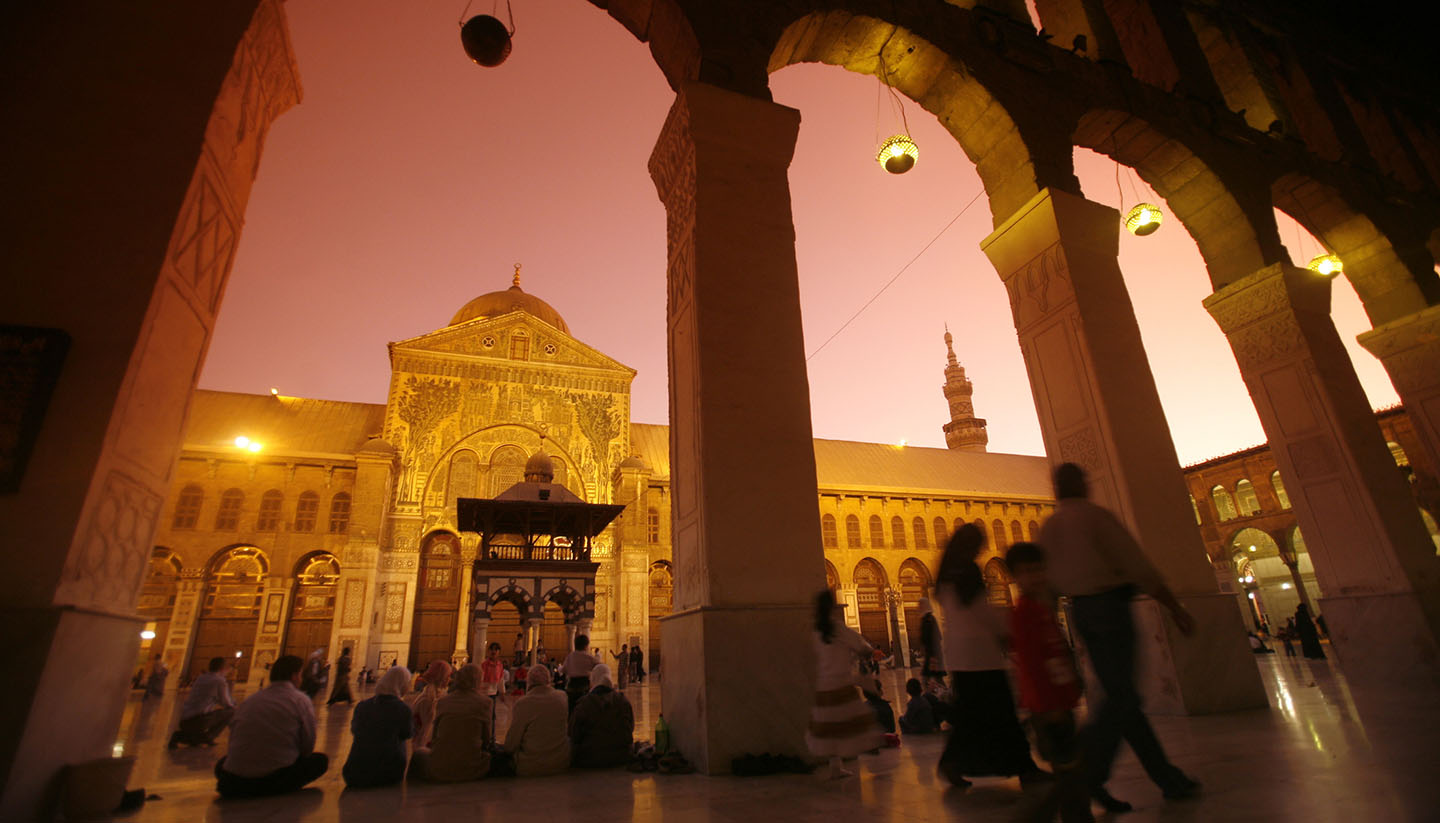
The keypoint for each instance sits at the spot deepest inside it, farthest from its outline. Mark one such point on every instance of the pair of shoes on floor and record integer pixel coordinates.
(1182, 788)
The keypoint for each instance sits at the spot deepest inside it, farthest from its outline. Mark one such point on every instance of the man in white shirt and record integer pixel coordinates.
(207, 709)
(272, 740)
(1095, 560)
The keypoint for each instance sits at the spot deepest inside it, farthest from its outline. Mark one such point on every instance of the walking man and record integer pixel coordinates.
(1095, 560)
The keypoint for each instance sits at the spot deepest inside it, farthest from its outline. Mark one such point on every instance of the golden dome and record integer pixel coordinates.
(514, 298)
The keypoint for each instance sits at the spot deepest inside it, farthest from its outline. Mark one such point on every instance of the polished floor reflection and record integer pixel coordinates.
(1320, 753)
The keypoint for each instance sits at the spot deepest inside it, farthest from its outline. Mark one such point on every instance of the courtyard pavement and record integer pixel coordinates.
(1317, 754)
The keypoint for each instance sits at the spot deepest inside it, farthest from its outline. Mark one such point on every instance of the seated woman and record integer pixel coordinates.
(602, 725)
(437, 682)
(381, 725)
(537, 736)
(462, 728)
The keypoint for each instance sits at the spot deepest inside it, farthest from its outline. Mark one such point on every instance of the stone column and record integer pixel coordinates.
(746, 539)
(570, 632)
(1410, 349)
(479, 630)
(469, 546)
(532, 639)
(183, 620)
(1372, 555)
(275, 608)
(1098, 407)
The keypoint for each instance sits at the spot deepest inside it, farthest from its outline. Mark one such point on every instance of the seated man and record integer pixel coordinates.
(537, 736)
(207, 709)
(918, 717)
(602, 725)
(272, 741)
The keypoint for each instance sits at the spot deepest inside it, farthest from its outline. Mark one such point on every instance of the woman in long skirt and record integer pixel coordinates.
(842, 726)
(1309, 638)
(985, 736)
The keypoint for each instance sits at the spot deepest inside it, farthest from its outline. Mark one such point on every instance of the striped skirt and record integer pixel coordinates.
(842, 724)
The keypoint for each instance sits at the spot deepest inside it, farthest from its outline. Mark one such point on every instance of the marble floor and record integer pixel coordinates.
(1319, 753)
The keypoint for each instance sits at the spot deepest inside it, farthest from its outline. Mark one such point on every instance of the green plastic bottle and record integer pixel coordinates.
(662, 736)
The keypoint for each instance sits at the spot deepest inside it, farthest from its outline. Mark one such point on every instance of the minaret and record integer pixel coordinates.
(965, 431)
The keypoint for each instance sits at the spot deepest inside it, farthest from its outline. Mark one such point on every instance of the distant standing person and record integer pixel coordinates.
(1309, 638)
(637, 663)
(985, 736)
(155, 684)
(519, 649)
(622, 666)
(576, 668)
(207, 709)
(932, 666)
(342, 680)
(1095, 560)
(272, 741)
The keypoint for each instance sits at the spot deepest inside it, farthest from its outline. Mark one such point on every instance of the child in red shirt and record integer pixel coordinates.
(1049, 685)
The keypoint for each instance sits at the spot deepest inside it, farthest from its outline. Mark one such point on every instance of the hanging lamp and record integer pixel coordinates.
(1326, 265)
(898, 153)
(485, 39)
(1144, 219)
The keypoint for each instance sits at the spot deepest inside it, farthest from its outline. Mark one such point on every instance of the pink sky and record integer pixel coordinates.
(410, 180)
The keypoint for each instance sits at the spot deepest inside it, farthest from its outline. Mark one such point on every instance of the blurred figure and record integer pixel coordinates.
(207, 709)
(380, 726)
(342, 680)
(602, 727)
(155, 684)
(842, 725)
(458, 749)
(422, 705)
(538, 737)
(1309, 638)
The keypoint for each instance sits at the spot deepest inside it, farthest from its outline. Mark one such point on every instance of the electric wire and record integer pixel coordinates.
(891, 281)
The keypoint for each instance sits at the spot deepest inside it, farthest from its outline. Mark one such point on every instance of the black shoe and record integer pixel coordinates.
(1110, 802)
(1182, 788)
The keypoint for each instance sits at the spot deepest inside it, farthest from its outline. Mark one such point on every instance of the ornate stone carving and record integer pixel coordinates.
(104, 570)
(352, 614)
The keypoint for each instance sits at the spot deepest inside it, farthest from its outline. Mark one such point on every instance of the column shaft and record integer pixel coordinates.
(1373, 559)
(1098, 408)
(1410, 350)
(746, 531)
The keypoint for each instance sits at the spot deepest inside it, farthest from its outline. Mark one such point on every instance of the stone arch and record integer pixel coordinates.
(915, 583)
(439, 582)
(158, 592)
(870, 584)
(662, 603)
(312, 608)
(667, 30)
(922, 71)
(832, 577)
(230, 608)
(1389, 286)
(997, 582)
(570, 600)
(1235, 238)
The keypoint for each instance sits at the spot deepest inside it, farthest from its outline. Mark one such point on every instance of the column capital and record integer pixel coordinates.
(1408, 346)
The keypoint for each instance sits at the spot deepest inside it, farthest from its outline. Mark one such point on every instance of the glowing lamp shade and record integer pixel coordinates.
(147, 635)
(1326, 265)
(486, 40)
(1144, 219)
(898, 154)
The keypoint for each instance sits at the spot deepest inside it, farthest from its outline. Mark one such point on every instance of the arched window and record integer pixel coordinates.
(942, 532)
(852, 532)
(1195, 507)
(1224, 506)
(877, 532)
(464, 476)
(918, 527)
(340, 513)
(997, 535)
(897, 532)
(507, 467)
(1401, 459)
(652, 524)
(1246, 498)
(187, 507)
(307, 508)
(1033, 529)
(958, 523)
(269, 518)
(832, 579)
(1279, 486)
(997, 582)
(984, 532)
(828, 533)
(227, 517)
(1016, 536)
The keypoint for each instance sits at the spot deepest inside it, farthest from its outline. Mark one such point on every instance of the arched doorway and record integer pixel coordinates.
(832, 577)
(157, 603)
(554, 639)
(870, 585)
(506, 621)
(230, 610)
(997, 583)
(662, 601)
(914, 586)
(437, 600)
(312, 610)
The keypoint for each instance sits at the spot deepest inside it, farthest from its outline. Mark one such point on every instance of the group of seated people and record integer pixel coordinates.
(449, 723)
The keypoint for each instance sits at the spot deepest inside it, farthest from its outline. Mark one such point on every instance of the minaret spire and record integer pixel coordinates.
(516, 282)
(965, 431)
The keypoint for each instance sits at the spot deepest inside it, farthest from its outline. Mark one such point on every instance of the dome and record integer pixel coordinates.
(539, 468)
(514, 298)
(634, 461)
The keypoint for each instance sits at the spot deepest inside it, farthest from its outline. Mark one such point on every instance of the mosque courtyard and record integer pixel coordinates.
(1319, 753)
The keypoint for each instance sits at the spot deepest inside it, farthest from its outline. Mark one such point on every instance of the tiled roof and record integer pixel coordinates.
(878, 467)
(285, 425)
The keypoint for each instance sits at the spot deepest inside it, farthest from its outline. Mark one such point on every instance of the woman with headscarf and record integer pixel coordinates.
(1309, 638)
(985, 736)
(602, 726)
(462, 729)
(537, 737)
(437, 679)
(842, 725)
(380, 727)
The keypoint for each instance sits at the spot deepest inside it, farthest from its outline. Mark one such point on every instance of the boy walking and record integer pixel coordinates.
(1049, 685)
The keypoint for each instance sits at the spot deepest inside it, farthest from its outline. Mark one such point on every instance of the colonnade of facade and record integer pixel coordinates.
(1350, 160)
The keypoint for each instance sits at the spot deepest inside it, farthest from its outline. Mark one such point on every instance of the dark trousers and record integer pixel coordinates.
(203, 728)
(1107, 626)
(1058, 743)
(280, 781)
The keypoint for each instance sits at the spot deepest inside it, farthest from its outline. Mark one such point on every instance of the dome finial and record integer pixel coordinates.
(516, 281)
